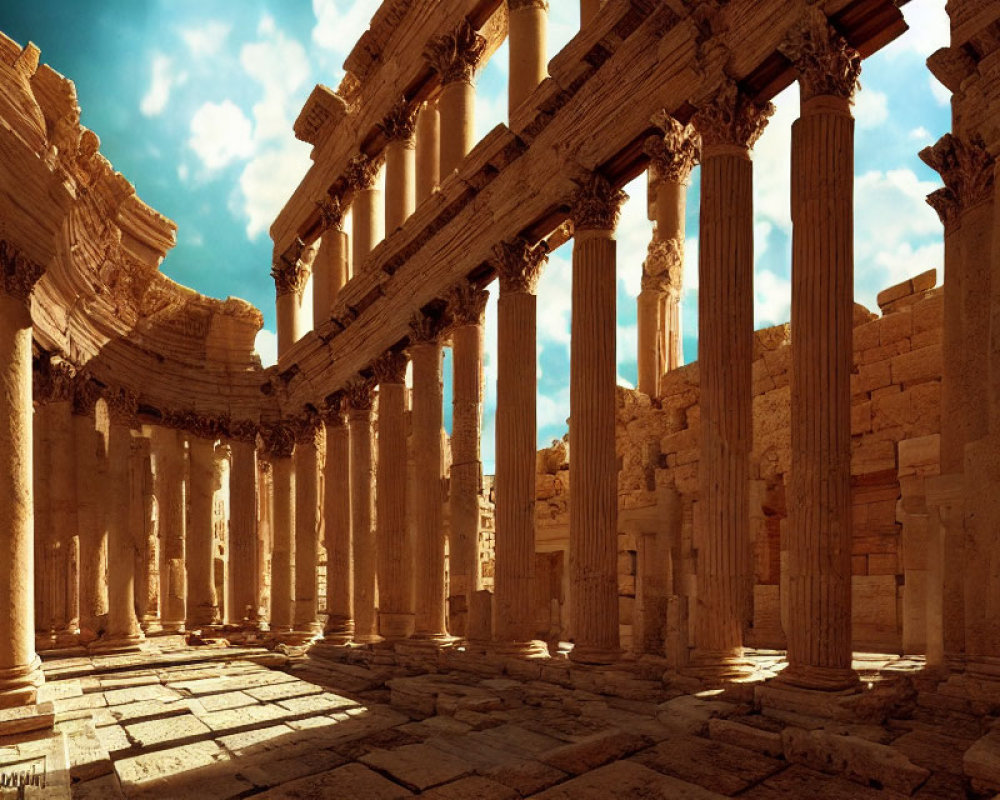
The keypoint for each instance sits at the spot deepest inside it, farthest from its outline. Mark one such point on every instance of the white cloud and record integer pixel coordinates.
(922, 135)
(871, 108)
(627, 345)
(207, 39)
(939, 92)
(772, 162)
(183, 172)
(220, 134)
(633, 234)
(555, 289)
(930, 28)
(163, 81)
(266, 184)
(772, 299)
(275, 112)
(266, 346)
(339, 25)
(490, 111)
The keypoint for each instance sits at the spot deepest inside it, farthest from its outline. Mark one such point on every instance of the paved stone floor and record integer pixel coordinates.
(183, 722)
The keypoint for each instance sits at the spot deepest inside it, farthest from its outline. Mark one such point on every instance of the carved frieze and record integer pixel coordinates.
(596, 204)
(390, 367)
(358, 395)
(400, 123)
(467, 304)
(455, 55)
(826, 63)
(18, 273)
(731, 118)
(362, 172)
(674, 154)
(967, 170)
(519, 265)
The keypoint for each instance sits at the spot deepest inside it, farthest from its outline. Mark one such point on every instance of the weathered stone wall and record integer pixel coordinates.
(895, 421)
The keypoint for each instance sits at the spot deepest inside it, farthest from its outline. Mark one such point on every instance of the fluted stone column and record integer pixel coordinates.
(527, 40)
(205, 480)
(467, 306)
(20, 668)
(144, 523)
(291, 273)
(366, 212)
(395, 559)
(123, 631)
(91, 467)
(729, 125)
(280, 442)
(359, 403)
(429, 544)
(308, 525)
(819, 564)
(243, 555)
(672, 157)
(455, 56)
(337, 528)
(428, 156)
(265, 537)
(400, 165)
(519, 267)
(45, 592)
(594, 465)
(169, 487)
(330, 270)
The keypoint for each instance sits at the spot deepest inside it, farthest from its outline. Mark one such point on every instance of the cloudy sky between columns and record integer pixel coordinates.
(194, 103)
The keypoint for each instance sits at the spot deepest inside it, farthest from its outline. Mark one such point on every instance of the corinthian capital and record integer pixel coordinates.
(826, 63)
(390, 367)
(358, 395)
(331, 211)
(519, 265)
(123, 405)
(467, 304)
(362, 172)
(456, 55)
(400, 123)
(278, 439)
(596, 204)
(334, 413)
(53, 381)
(18, 274)
(965, 167)
(86, 393)
(425, 329)
(291, 270)
(731, 118)
(674, 154)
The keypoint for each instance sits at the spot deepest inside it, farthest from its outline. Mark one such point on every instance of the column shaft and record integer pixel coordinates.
(243, 534)
(202, 598)
(337, 518)
(527, 39)
(400, 182)
(362, 525)
(168, 449)
(428, 155)
(91, 465)
(144, 515)
(649, 329)
(458, 123)
(307, 533)
(282, 586)
(366, 226)
(291, 320)
(45, 598)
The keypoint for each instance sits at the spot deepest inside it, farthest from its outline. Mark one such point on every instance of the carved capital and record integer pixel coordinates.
(332, 211)
(596, 204)
(390, 367)
(519, 265)
(86, 393)
(965, 167)
(518, 5)
(400, 123)
(53, 381)
(18, 274)
(334, 413)
(425, 329)
(307, 428)
(289, 272)
(456, 55)
(826, 63)
(674, 154)
(358, 395)
(731, 118)
(944, 202)
(663, 269)
(200, 425)
(243, 430)
(362, 172)
(278, 439)
(123, 405)
(467, 304)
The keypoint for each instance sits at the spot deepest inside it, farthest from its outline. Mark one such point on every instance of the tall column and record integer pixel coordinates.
(395, 559)
(91, 458)
(337, 527)
(455, 56)
(400, 165)
(169, 485)
(265, 539)
(467, 307)
(331, 270)
(280, 442)
(593, 469)
(123, 631)
(20, 668)
(528, 26)
(819, 564)
(428, 149)
(366, 215)
(45, 594)
(308, 524)
(291, 273)
(729, 125)
(205, 480)
(672, 157)
(144, 523)
(519, 265)
(359, 403)
(244, 570)
(429, 543)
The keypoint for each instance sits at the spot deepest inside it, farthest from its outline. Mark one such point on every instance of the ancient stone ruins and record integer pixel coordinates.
(772, 573)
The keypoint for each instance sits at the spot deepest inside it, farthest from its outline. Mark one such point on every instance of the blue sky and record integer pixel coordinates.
(194, 103)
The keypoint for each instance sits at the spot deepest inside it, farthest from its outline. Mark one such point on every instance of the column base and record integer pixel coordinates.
(45, 641)
(425, 644)
(120, 643)
(299, 638)
(19, 685)
(821, 679)
(394, 627)
(368, 638)
(172, 627)
(718, 665)
(587, 654)
(532, 649)
(150, 625)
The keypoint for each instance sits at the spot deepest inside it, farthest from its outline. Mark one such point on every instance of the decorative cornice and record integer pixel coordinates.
(596, 204)
(967, 170)
(390, 367)
(400, 123)
(518, 5)
(425, 329)
(467, 304)
(332, 211)
(519, 265)
(123, 405)
(362, 172)
(663, 269)
(731, 118)
(18, 274)
(278, 439)
(358, 395)
(826, 63)
(456, 55)
(674, 154)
